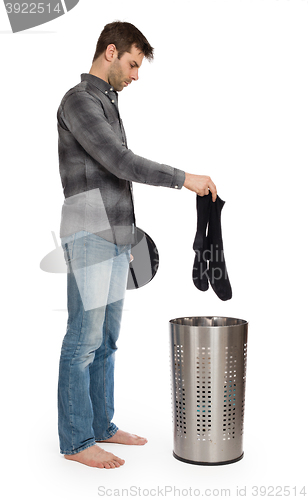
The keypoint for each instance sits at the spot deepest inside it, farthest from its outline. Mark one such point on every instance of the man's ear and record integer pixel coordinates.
(111, 52)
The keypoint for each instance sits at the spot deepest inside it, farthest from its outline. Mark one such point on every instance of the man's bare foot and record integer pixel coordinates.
(122, 437)
(94, 456)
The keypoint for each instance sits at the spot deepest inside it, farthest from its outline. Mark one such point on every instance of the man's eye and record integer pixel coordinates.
(132, 65)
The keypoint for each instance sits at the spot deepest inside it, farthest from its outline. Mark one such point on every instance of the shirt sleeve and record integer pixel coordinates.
(83, 115)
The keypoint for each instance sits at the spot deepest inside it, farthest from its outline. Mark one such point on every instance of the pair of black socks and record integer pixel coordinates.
(209, 263)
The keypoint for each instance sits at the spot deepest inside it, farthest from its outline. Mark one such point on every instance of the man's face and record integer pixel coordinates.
(123, 71)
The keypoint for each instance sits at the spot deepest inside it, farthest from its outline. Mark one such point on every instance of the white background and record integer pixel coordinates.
(226, 96)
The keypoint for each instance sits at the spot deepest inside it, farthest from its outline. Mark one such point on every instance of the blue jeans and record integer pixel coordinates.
(96, 284)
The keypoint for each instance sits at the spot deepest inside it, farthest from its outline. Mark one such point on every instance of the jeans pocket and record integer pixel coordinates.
(68, 249)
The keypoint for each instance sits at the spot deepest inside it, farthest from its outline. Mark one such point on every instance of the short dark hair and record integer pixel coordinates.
(123, 35)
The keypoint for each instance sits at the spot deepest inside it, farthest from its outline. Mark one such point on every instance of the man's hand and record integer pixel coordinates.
(200, 184)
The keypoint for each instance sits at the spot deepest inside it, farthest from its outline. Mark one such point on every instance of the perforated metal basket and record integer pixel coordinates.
(208, 372)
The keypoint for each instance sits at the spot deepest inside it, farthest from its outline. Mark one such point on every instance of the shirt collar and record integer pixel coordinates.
(103, 86)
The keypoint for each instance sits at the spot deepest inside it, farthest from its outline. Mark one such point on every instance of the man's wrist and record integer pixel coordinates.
(178, 179)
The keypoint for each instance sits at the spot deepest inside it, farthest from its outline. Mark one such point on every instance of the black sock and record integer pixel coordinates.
(200, 246)
(217, 273)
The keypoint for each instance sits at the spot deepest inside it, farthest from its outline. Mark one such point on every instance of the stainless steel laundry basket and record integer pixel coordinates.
(208, 371)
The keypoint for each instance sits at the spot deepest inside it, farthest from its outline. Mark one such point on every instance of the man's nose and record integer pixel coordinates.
(134, 74)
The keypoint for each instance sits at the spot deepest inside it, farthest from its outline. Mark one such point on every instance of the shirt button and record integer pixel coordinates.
(106, 91)
(111, 89)
(176, 187)
(112, 101)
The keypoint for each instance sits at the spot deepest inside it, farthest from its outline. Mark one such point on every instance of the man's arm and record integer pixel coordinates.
(83, 116)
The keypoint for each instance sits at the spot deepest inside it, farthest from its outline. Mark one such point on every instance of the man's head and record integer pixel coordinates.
(119, 53)
(123, 36)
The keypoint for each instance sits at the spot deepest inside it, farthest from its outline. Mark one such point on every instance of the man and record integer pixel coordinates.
(97, 230)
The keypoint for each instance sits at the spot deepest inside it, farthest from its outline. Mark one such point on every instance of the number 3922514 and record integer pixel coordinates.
(32, 8)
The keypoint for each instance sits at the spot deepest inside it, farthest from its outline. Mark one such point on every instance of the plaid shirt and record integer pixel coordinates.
(97, 168)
